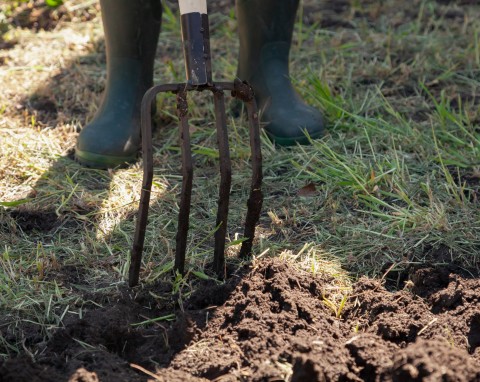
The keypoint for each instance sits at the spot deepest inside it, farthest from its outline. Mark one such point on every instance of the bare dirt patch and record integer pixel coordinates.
(270, 323)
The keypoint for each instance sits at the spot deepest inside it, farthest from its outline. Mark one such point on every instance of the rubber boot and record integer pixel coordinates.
(131, 29)
(265, 29)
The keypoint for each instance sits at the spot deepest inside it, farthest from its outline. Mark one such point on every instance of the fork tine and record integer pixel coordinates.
(242, 91)
(225, 183)
(187, 180)
(139, 238)
(255, 201)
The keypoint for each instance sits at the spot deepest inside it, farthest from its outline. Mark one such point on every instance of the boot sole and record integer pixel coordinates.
(293, 141)
(103, 162)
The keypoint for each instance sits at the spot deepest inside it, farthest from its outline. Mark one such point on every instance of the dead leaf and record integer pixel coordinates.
(307, 191)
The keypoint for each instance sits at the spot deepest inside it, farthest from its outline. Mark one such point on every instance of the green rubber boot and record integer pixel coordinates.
(131, 30)
(265, 29)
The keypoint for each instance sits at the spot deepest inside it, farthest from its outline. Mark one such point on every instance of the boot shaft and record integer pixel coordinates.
(131, 29)
(265, 31)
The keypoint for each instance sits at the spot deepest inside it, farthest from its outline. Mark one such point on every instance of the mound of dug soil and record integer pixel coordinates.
(269, 323)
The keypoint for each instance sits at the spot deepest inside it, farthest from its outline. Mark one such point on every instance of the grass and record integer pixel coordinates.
(395, 179)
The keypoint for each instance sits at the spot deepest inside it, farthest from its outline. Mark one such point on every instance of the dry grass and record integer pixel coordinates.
(394, 182)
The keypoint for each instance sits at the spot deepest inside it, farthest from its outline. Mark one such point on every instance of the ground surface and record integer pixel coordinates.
(269, 322)
(367, 253)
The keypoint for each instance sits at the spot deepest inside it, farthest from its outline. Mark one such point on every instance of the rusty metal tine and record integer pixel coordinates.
(254, 203)
(187, 179)
(139, 238)
(225, 183)
(243, 92)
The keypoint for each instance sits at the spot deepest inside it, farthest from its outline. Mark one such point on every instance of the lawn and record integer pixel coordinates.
(367, 253)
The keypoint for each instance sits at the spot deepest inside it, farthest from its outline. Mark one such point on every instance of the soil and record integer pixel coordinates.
(268, 322)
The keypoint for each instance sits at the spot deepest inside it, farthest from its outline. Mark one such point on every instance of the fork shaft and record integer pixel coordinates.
(196, 41)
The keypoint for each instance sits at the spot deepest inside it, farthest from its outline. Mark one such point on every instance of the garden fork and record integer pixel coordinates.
(196, 47)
